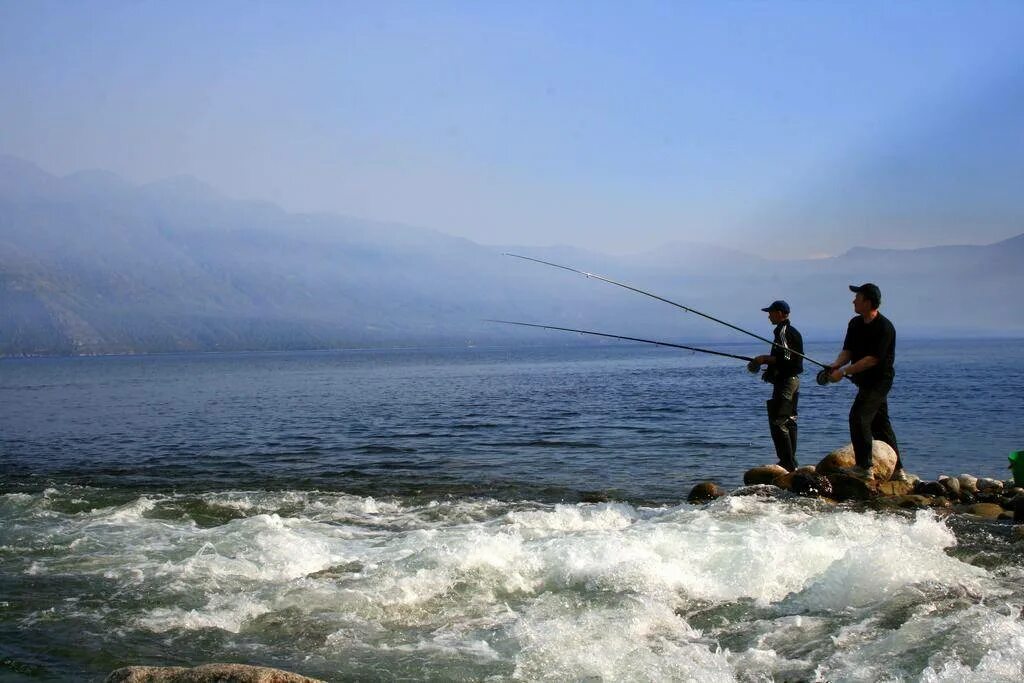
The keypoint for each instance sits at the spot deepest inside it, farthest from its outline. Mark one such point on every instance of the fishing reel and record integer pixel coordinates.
(753, 366)
(824, 376)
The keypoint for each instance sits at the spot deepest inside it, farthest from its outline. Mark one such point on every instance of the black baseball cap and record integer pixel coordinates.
(779, 305)
(870, 291)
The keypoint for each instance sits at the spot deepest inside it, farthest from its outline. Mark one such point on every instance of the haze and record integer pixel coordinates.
(789, 130)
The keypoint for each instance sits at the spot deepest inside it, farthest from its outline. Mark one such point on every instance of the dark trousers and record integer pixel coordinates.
(782, 419)
(869, 420)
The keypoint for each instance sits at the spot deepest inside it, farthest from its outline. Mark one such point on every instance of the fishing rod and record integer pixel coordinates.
(619, 336)
(668, 301)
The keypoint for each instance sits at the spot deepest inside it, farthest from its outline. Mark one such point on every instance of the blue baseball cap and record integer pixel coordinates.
(779, 305)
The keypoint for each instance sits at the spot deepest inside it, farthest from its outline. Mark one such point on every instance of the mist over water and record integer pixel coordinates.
(490, 514)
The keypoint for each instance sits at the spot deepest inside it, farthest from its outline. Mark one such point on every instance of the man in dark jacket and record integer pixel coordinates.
(782, 372)
(870, 350)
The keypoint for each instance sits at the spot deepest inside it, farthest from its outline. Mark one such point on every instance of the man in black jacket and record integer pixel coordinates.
(870, 350)
(782, 372)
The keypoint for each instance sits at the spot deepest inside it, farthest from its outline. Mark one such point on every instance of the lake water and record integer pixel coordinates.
(490, 514)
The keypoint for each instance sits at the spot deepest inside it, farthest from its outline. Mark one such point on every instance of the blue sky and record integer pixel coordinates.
(788, 129)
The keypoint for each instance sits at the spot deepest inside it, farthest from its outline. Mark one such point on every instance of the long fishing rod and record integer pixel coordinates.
(619, 336)
(667, 301)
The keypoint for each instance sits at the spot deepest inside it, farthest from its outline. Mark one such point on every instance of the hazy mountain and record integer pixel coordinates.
(90, 263)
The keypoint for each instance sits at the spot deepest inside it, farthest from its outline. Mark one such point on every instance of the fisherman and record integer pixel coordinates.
(867, 358)
(784, 365)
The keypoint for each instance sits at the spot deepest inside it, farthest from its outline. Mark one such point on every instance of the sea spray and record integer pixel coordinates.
(344, 586)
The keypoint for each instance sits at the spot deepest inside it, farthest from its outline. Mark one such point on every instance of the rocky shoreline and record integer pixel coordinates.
(978, 496)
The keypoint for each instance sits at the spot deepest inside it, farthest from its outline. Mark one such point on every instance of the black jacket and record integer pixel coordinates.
(787, 364)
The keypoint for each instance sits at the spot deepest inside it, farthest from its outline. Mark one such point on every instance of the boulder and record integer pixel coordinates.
(952, 486)
(929, 488)
(850, 488)
(913, 501)
(1018, 533)
(898, 488)
(968, 483)
(883, 460)
(986, 485)
(207, 673)
(986, 510)
(705, 491)
(765, 474)
(810, 484)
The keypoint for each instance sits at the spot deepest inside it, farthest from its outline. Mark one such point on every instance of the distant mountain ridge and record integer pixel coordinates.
(90, 263)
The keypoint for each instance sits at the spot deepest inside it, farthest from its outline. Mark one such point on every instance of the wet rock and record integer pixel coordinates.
(810, 484)
(207, 673)
(762, 491)
(952, 486)
(765, 474)
(968, 483)
(1018, 533)
(705, 491)
(1018, 510)
(986, 510)
(930, 488)
(913, 501)
(1015, 491)
(986, 485)
(883, 460)
(898, 488)
(850, 488)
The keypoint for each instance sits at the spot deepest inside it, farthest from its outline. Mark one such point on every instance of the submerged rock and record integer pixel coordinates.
(705, 491)
(883, 460)
(207, 673)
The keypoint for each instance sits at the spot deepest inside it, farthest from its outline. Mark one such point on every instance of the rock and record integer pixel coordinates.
(930, 488)
(808, 469)
(1015, 491)
(1006, 515)
(913, 501)
(899, 488)
(883, 460)
(1018, 510)
(761, 491)
(705, 491)
(986, 485)
(765, 474)
(952, 486)
(810, 484)
(968, 483)
(850, 488)
(1018, 533)
(207, 673)
(986, 510)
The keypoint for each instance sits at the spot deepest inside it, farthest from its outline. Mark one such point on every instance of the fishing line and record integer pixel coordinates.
(667, 301)
(619, 336)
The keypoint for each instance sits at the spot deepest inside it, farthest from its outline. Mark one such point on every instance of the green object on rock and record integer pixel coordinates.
(1017, 465)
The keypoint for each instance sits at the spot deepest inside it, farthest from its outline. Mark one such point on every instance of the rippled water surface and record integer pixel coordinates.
(488, 514)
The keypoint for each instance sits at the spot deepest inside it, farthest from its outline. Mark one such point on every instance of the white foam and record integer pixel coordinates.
(557, 591)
